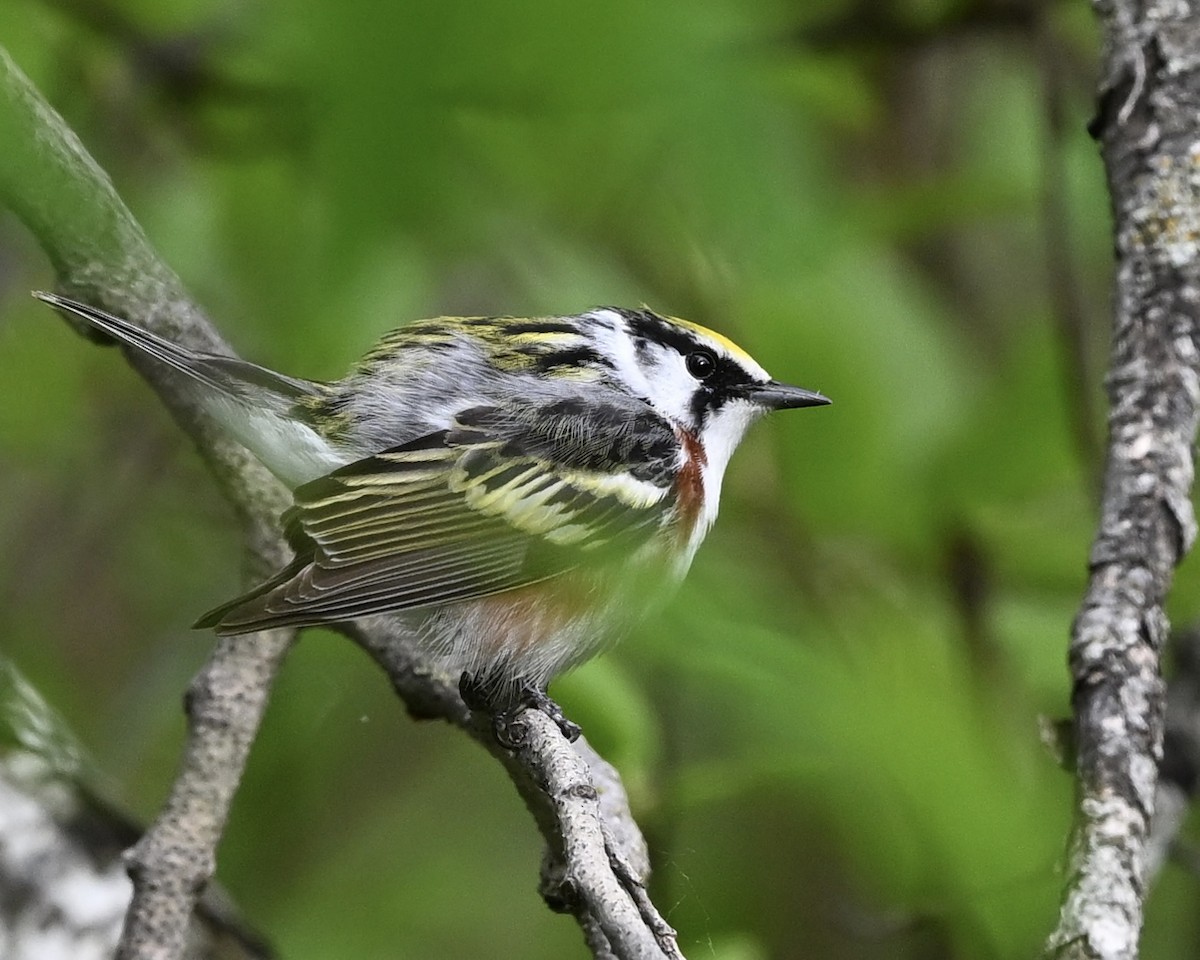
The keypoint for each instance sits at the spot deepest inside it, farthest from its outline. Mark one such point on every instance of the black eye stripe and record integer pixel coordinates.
(727, 381)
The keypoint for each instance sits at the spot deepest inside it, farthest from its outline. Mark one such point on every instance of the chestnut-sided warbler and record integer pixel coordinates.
(506, 486)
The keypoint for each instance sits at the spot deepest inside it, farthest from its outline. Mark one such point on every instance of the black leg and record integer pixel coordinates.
(477, 693)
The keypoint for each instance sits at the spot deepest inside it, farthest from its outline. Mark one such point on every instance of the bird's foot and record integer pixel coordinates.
(483, 694)
(540, 700)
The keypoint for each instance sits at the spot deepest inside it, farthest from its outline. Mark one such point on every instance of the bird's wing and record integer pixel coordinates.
(506, 497)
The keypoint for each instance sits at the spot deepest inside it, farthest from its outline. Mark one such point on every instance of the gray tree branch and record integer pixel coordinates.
(1150, 99)
(596, 858)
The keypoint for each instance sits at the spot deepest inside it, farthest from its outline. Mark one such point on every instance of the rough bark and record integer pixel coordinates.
(596, 855)
(1147, 127)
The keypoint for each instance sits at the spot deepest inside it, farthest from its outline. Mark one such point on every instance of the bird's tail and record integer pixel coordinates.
(237, 379)
(262, 409)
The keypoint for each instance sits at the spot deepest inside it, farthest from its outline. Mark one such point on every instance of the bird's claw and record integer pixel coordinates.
(539, 700)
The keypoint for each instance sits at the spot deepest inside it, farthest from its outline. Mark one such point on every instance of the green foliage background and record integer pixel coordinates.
(831, 737)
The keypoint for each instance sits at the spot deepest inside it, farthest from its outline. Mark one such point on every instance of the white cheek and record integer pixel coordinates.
(723, 433)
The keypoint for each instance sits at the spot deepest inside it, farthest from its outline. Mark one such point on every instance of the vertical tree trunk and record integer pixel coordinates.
(1147, 126)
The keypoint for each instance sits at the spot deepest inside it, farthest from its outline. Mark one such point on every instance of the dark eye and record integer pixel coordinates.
(701, 364)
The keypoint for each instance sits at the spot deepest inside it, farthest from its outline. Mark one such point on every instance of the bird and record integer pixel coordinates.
(517, 491)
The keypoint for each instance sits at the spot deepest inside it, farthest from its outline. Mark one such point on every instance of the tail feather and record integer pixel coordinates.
(230, 376)
(258, 407)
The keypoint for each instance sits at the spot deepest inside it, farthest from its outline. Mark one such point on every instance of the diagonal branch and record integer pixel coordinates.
(1150, 98)
(596, 856)
(101, 254)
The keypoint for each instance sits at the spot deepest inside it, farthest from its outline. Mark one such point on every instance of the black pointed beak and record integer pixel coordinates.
(774, 395)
